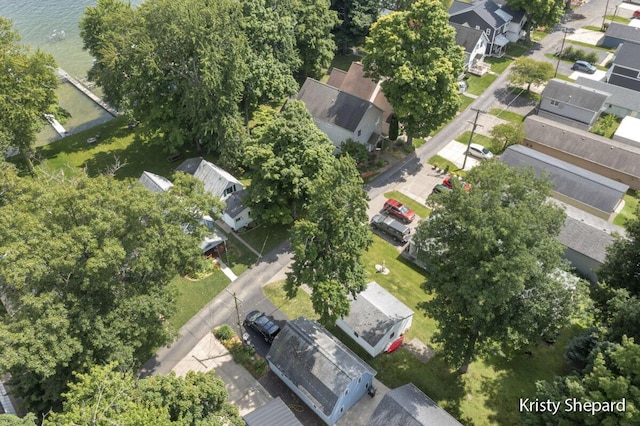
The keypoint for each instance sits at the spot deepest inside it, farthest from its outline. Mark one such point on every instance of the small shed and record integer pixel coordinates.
(236, 214)
(321, 370)
(408, 406)
(571, 104)
(273, 413)
(617, 34)
(154, 182)
(377, 320)
(629, 132)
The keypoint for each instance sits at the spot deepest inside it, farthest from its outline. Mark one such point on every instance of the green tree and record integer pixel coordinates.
(27, 91)
(620, 269)
(284, 159)
(613, 374)
(313, 24)
(356, 18)
(529, 71)
(106, 395)
(328, 244)
(181, 72)
(494, 264)
(540, 13)
(415, 55)
(85, 275)
(11, 420)
(507, 134)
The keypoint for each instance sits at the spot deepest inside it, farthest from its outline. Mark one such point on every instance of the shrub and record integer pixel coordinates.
(224, 332)
(355, 150)
(572, 54)
(579, 348)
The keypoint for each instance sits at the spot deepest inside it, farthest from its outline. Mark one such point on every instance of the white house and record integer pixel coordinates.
(377, 321)
(474, 42)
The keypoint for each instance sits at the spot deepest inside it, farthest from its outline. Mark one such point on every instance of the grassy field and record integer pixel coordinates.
(480, 139)
(487, 394)
(419, 208)
(477, 85)
(629, 210)
(443, 163)
(498, 65)
(465, 101)
(509, 116)
(265, 238)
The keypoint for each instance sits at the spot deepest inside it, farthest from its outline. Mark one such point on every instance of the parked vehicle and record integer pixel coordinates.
(441, 188)
(449, 184)
(479, 151)
(583, 66)
(399, 210)
(636, 14)
(262, 324)
(391, 227)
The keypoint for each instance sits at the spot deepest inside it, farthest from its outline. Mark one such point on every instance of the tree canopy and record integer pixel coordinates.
(543, 13)
(105, 395)
(313, 24)
(85, 274)
(356, 18)
(415, 55)
(494, 264)
(27, 91)
(329, 242)
(529, 71)
(620, 269)
(284, 158)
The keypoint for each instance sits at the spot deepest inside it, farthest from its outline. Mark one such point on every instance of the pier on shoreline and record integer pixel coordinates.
(81, 87)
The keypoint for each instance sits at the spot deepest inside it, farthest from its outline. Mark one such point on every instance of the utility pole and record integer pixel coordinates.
(564, 37)
(473, 129)
(605, 15)
(235, 299)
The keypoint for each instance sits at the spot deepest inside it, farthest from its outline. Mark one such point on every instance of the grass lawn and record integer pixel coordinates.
(629, 210)
(519, 48)
(465, 101)
(487, 394)
(418, 142)
(617, 18)
(477, 85)
(237, 256)
(509, 116)
(590, 46)
(593, 28)
(538, 35)
(265, 238)
(343, 62)
(419, 208)
(443, 163)
(478, 138)
(498, 65)
(193, 295)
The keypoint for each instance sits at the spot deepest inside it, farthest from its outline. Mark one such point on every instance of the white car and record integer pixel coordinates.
(480, 151)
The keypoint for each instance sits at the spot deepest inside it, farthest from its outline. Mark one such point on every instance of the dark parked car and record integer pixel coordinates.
(391, 227)
(441, 188)
(262, 324)
(584, 66)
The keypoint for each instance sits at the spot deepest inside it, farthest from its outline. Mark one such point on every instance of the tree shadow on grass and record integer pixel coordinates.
(516, 378)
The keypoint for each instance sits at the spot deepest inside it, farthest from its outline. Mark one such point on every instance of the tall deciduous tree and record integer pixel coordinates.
(313, 24)
(284, 159)
(529, 71)
(544, 13)
(494, 264)
(507, 134)
(180, 66)
(105, 395)
(328, 244)
(416, 56)
(621, 268)
(356, 18)
(27, 91)
(85, 275)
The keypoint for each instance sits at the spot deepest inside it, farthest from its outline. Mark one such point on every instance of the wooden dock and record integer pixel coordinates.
(56, 125)
(81, 87)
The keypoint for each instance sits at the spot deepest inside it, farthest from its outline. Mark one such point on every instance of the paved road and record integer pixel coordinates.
(248, 286)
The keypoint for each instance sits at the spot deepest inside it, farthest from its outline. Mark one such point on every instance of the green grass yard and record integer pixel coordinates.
(629, 210)
(480, 139)
(509, 116)
(443, 164)
(477, 85)
(498, 65)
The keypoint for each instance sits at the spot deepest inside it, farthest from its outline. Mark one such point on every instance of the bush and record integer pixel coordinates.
(572, 54)
(355, 150)
(579, 348)
(225, 332)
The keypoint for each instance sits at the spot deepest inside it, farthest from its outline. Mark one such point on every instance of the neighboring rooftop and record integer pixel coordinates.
(408, 406)
(628, 55)
(316, 362)
(234, 204)
(215, 179)
(623, 32)
(154, 182)
(466, 36)
(273, 413)
(487, 10)
(589, 188)
(619, 96)
(575, 94)
(374, 312)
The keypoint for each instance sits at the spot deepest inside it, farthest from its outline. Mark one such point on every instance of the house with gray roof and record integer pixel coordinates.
(223, 185)
(320, 369)
(606, 157)
(617, 34)
(586, 190)
(341, 115)
(273, 413)
(625, 68)
(586, 238)
(501, 23)
(377, 321)
(628, 132)
(572, 104)
(154, 182)
(621, 102)
(408, 406)
(474, 42)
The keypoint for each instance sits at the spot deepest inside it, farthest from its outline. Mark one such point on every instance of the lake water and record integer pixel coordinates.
(40, 24)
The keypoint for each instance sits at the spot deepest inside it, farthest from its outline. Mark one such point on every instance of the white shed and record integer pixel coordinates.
(377, 320)
(629, 131)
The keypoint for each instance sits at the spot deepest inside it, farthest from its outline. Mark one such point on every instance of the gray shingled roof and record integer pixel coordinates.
(214, 178)
(374, 312)
(154, 182)
(575, 94)
(273, 413)
(466, 37)
(623, 32)
(234, 203)
(619, 96)
(408, 406)
(628, 55)
(585, 239)
(316, 362)
(572, 181)
(582, 144)
(333, 106)
(485, 9)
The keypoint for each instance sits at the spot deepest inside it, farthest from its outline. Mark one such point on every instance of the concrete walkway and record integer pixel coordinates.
(209, 354)
(226, 270)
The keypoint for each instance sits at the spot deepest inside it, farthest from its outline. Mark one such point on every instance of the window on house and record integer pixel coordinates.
(392, 334)
(555, 103)
(359, 132)
(477, 27)
(342, 409)
(488, 31)
(346, 392)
